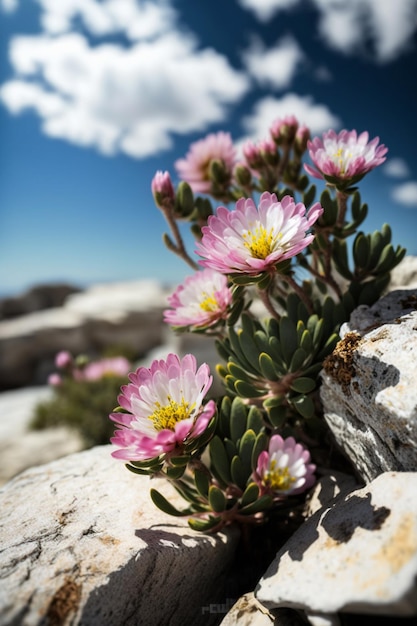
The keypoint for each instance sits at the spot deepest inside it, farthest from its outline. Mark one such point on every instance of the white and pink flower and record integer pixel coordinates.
(344, 157)
(202, 300)
(195, 168)
(284, 469)
(164, 407)
(251, 240)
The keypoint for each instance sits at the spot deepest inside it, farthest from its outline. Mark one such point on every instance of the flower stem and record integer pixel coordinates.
(178, 247)
(265, 298)
(300, 292)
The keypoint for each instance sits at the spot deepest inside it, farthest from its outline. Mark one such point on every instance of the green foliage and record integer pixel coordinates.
(82, 405)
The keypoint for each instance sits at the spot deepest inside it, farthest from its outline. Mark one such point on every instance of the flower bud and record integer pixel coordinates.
(54, 380)
(242, 175)
(283, 130)
(162, 189)
(269, 152)
(302, 137)
(219, 173)
(253, 156)
(184, 205)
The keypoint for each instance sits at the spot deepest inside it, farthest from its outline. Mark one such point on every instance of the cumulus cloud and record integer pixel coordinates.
(266, 9)
(396, 168)
(8, 6)
(387, 27)
(317, 117)
(276, 66)
(406, 194)
(130, 99)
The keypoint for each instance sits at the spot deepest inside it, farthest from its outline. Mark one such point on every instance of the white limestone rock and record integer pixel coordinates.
(405, 274)
(82, 543)
(369, 390)
(247, 611)
(357, 556)
(21, 448)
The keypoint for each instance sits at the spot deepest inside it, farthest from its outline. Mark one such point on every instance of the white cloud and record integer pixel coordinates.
(317, 117)
(406, 194)
(135, 19)
(266, 9)
(396, 168)
(349, 27)
(8, 6)
(276, 66)
(115, 98)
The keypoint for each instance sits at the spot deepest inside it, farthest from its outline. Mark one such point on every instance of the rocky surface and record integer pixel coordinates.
(127, 315)
(369, 393)
(21, 448)
(82, 543)
(36, 299)
(358, 555)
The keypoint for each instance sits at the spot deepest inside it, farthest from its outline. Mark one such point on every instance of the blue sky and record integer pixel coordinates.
(95, 96)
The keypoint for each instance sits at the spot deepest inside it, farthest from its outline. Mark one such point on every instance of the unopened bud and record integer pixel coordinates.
(162, 189)
(302, 138)
(184, 204)
(283, 130)
(242, 175)
(218, 172)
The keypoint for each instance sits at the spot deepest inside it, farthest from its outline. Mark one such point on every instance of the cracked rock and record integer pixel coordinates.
(82, 543)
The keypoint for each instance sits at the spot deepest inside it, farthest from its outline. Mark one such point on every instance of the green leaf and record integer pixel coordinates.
(203, 525)
(288, 338)
(267, 366)
(219, 459)
(162, 503)
(260, 445)
(250, 494)
(217, 499)
(298, 359)
(179, 460)
(309, 195)
(254, 420)
(245, 451)
(239, 477)
(202, 482)
(361, 250)
(263, 503)
(174, 473)
(245, 390)
(238, 416)
(142, 472)
(304, 405)
(303, 385)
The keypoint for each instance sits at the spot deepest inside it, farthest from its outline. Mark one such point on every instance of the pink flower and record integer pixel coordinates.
(284, 469)
(63, 359)
(114, 366)
(54, 380)
(164, 408)
(202, 300)
(162, 188)
(249, 241)
(195, 168)
(345, 157)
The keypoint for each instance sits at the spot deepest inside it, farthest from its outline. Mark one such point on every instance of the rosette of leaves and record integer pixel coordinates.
(276, 364)
(224, 491)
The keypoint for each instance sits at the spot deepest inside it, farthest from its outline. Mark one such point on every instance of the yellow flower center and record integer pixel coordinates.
(260, 242)
(167, 416)
(209, 304)
(278, 478)
(340, 156)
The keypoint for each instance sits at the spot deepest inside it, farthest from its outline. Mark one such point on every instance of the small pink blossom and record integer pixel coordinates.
(345, 157)
(162, 188)
(112, 366)
(201, 301)
(284, 469)
(195, 168)
(164, 407)
(63, 359)
(54, 380)
(250, 240)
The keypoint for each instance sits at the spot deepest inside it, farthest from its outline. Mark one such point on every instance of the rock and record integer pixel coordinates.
(247, 611)
(405, 274)
(82, 543)
(36, 299)
(331, 486)
(20, 448)
(124, 315)
(369, 393)
(357, 556)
